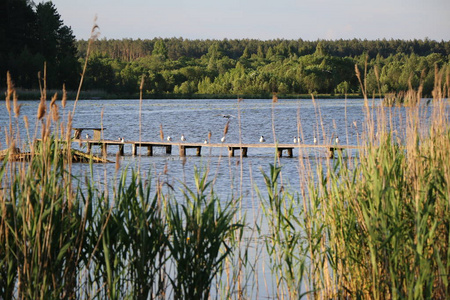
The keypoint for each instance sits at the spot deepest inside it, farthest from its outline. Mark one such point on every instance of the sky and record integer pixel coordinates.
(309, 20)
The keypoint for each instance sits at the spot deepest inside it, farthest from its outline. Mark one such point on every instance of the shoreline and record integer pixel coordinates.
(100, 95)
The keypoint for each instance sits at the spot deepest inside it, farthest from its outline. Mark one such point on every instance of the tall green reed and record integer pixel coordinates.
(200, 232)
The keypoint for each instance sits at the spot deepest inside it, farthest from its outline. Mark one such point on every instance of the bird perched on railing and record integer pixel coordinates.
(222, 139)
(169, 138)
(337, 140)
(262, 139)
(183, 138)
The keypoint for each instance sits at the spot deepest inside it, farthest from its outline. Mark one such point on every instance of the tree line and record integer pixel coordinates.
(31, 35)
(248, 67)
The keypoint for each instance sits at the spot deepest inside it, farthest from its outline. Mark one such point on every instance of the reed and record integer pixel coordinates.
(374, 226)
(200, 233)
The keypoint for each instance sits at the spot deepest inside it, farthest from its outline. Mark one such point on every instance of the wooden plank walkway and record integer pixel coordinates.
(232, 147)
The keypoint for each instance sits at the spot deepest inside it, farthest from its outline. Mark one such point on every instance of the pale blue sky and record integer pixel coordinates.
(285, 19)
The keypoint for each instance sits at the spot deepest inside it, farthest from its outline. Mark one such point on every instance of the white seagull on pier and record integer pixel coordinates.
(295, 140)
(205, 142)
(262, 139)
(122, 140)
(315, 140)
(183, 139)
(169, 138)
(87, 136)
(337, 140)
(222, 139)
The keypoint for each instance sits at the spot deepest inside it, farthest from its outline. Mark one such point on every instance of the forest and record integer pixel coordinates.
(34, 35)
(255, 68)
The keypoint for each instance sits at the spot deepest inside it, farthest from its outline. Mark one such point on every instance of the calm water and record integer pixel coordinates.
(250, 119)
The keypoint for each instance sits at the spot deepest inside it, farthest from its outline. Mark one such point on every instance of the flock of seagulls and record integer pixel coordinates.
(262, 139)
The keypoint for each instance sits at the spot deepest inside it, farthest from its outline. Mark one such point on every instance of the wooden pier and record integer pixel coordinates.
(183, 147)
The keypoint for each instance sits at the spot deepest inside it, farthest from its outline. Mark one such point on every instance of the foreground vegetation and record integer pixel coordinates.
(374, 226)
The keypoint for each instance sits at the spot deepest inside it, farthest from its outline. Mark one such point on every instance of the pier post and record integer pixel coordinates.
(280, 152)
(182, 150)
(199, 151)
(244, 151)
(331, 152)
(230, 151)
(134, 149)
(149, 150)
(169, 149)
(121, 150)
(290, 152)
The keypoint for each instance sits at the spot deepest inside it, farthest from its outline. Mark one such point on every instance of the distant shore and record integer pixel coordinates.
(101, 95)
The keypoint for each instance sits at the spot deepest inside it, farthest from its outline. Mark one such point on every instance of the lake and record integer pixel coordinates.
(281, 121)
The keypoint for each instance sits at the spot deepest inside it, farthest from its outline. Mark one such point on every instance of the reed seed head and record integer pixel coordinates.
(274, 98)
(16, 105)
(225, 130)
(64, 97)
(41, 109)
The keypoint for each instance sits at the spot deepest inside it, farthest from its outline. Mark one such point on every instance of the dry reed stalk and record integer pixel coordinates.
(10, 90)
(16, 105)
(41, 109)
(161, 132)
(92, 38)
(358, 75)
(141, 87)
(64, 97)
(225, 130)
(117, 161)
(54, 108)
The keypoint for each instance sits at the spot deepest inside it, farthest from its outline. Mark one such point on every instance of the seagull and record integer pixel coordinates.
(295, 140)
(226, 116)
(315, 140)
(262, 139)
(337, 140)
(169, 138)
(183, 138)
(87, 136)
(122, 140)
(222, 139)
(205, 142)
